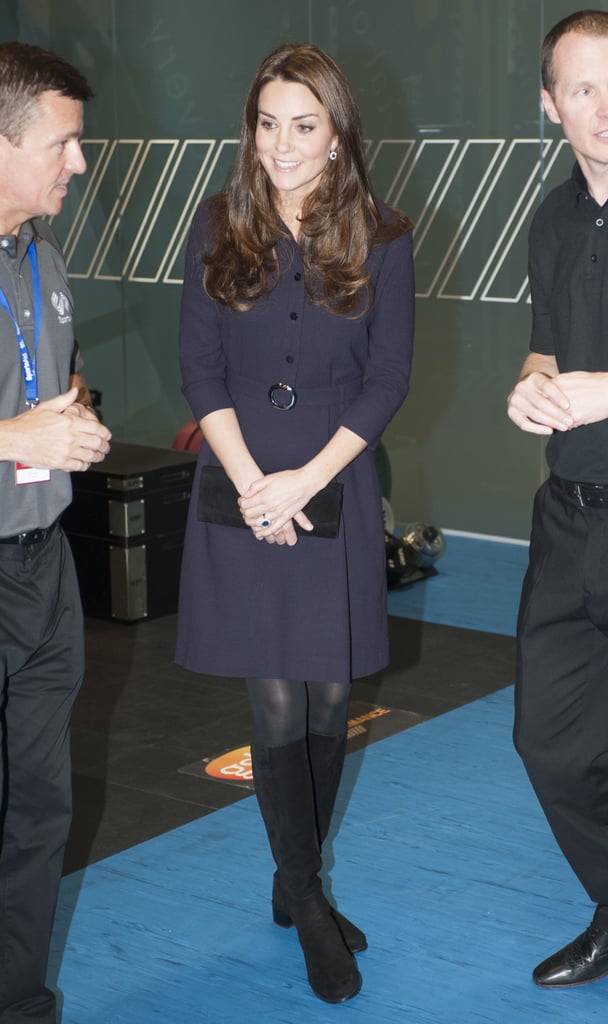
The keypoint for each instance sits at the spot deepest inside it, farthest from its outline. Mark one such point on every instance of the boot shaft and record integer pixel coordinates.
(284, 790)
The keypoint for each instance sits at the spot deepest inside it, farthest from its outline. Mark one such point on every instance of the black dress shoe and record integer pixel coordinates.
(583, 960)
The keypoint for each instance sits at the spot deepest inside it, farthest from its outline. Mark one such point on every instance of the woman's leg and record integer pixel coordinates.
(285, 792)
(327, 732)
(327, 708)
(285, 711)
(279, 708)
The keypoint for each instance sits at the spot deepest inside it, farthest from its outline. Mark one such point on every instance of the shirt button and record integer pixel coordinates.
(293, 316)
(289, 359)
(599, 222)
(26, 312)
(594, 258)
(298, 276)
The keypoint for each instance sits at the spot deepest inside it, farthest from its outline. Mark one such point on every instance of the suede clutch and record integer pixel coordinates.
(218, 503)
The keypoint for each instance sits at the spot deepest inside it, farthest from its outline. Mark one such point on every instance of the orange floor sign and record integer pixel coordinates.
(233, 766)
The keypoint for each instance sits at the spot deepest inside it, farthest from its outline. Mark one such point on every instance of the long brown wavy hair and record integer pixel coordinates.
(339, 220)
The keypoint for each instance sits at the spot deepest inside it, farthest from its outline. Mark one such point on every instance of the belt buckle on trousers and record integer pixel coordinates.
(584, 494)
(30, 537)
(591, 495)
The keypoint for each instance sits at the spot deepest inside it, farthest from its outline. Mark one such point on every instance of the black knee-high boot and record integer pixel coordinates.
(326, 756)
(283, 785)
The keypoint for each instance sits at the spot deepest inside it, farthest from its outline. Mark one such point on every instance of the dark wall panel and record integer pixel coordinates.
(448, 91)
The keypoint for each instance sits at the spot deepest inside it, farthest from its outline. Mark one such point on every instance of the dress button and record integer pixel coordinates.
(298, 276)
(599, 222)
(289, 359)
(293, 316)
(594, 258)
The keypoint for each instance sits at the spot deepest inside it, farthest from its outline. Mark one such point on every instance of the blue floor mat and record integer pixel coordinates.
(477, 586)
(441, 854)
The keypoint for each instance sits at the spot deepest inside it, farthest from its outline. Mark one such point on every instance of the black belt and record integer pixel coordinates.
(29, 538)
(587, 495)
(284, 396)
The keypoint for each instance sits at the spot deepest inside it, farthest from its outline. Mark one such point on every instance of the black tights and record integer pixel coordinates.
(285, 710)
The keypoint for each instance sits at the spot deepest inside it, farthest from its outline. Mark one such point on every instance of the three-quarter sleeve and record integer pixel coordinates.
(201, 353)
(391, 333)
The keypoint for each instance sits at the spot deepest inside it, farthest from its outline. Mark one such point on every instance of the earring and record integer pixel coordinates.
(333, 155)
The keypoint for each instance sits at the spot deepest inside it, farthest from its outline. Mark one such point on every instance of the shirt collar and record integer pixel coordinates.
(16, 247)
(8, 244)
(580, 183)
(27, 232)
(581, 189)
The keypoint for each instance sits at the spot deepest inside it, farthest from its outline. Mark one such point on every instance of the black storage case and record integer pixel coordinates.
(126, 526)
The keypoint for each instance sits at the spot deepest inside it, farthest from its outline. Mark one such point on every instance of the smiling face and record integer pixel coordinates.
(293, 140)
(579, 102)
(35, 173)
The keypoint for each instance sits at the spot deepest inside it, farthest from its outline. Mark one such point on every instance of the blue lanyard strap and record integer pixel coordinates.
(28, 362)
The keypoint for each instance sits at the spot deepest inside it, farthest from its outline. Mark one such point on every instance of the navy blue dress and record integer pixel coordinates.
(317, 610)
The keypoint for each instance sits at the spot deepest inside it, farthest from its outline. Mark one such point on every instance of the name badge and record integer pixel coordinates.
(30, 475)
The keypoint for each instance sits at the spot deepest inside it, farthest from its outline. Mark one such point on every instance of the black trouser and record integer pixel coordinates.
(561, 720)
(41, 667)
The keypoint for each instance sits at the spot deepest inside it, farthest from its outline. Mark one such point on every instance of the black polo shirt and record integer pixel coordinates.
(568, 271)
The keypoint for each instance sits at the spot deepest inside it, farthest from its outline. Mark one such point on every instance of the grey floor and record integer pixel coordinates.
(140, 719)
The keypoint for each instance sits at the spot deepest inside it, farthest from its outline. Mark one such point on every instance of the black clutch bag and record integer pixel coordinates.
(218, 503)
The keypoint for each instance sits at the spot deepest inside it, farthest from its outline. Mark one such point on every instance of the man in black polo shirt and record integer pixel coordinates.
(561, 722)
(46, 430)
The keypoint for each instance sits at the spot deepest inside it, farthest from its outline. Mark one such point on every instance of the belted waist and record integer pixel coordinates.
(30, 537)
(586, 495)
(285, 396)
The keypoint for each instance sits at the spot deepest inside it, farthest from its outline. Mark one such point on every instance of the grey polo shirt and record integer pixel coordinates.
(568, 271)
(30, 506)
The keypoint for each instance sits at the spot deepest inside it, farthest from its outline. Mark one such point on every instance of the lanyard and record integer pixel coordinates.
(28, 363)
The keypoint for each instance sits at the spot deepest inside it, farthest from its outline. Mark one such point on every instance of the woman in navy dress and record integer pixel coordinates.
(295, 349)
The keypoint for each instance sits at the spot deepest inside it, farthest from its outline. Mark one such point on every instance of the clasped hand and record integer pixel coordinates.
(541, 404)
(277, 499)
(59, 434)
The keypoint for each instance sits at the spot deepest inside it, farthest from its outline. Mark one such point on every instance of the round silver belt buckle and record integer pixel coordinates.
(282, 396)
